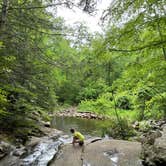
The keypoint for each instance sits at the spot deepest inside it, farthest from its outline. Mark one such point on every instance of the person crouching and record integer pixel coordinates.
(77, 137)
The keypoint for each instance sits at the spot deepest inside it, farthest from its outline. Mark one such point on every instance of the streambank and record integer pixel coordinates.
(153, 151)
(111, 152)
(54, 148)
(72, 112)
(38, 151)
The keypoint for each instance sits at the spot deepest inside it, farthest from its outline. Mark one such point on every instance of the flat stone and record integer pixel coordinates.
(70, 156)
(100, 153)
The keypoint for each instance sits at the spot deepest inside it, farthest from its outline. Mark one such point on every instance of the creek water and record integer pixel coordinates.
(48, 147)
(91, 127)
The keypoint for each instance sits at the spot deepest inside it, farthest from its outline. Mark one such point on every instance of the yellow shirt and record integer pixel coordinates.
(79, 136)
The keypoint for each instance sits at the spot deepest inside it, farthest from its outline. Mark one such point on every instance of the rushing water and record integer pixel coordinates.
(90, 127)
(42, 153)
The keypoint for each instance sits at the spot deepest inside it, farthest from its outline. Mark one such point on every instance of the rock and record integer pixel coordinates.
(2, 155)
(150, 137)
(164, 129)
(100, 153)
(33, 142)
(45, 147)
(19, 152)
(72, 112)
(136, 125)
(154, 148)
(47, 124)
(161, 123)
(65, 136)
(5, 149)
(50, 131)
(18, 141)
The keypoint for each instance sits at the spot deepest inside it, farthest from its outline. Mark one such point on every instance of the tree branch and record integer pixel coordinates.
(39, 7)
(155, 44)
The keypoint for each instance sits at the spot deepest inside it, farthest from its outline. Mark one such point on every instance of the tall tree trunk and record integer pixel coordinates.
(108, 70)
(161, 37)
(3, 14)
(160, 33)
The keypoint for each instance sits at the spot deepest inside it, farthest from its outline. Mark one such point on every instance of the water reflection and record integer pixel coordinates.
(91, 127)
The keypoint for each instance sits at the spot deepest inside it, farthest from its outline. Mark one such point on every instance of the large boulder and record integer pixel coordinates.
(154, 148)
(100, 153)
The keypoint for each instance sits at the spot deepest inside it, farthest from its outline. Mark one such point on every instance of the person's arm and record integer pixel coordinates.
(74, 140)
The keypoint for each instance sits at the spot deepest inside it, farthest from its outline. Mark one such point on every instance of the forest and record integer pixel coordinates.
(46, 64)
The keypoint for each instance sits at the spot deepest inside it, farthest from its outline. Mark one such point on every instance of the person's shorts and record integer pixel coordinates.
(81, 143)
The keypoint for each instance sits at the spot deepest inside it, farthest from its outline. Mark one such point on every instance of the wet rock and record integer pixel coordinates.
(33, 142)
(42, 153)
(19, 152)
(5, 149)
(113, 155)
(37, 150)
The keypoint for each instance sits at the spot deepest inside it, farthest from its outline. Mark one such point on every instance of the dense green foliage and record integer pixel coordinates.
(44, 63)
(134, 57)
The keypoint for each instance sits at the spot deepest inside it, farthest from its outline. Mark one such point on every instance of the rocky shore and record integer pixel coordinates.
(39, 150)
(36, 151)
(154, 146)
(72, 112)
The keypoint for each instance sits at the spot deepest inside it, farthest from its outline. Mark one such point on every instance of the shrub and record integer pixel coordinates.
(143, 95)
(92, 91)
(3, 102)
(123, 103)
(99, 106)
(124, 100)
(121, 129)
(157, 106)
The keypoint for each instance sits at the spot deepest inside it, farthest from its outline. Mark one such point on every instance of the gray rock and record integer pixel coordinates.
(5, 149)
(19, 152)
(100, 153)
(47, 124)
(154, 148)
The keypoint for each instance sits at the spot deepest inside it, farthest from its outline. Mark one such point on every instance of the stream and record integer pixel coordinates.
(88, 127)
(48, 147)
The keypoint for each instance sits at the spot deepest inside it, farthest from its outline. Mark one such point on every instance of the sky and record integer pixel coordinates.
(76, 15)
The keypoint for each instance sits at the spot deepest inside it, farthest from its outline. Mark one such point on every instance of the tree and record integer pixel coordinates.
(133, 19)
